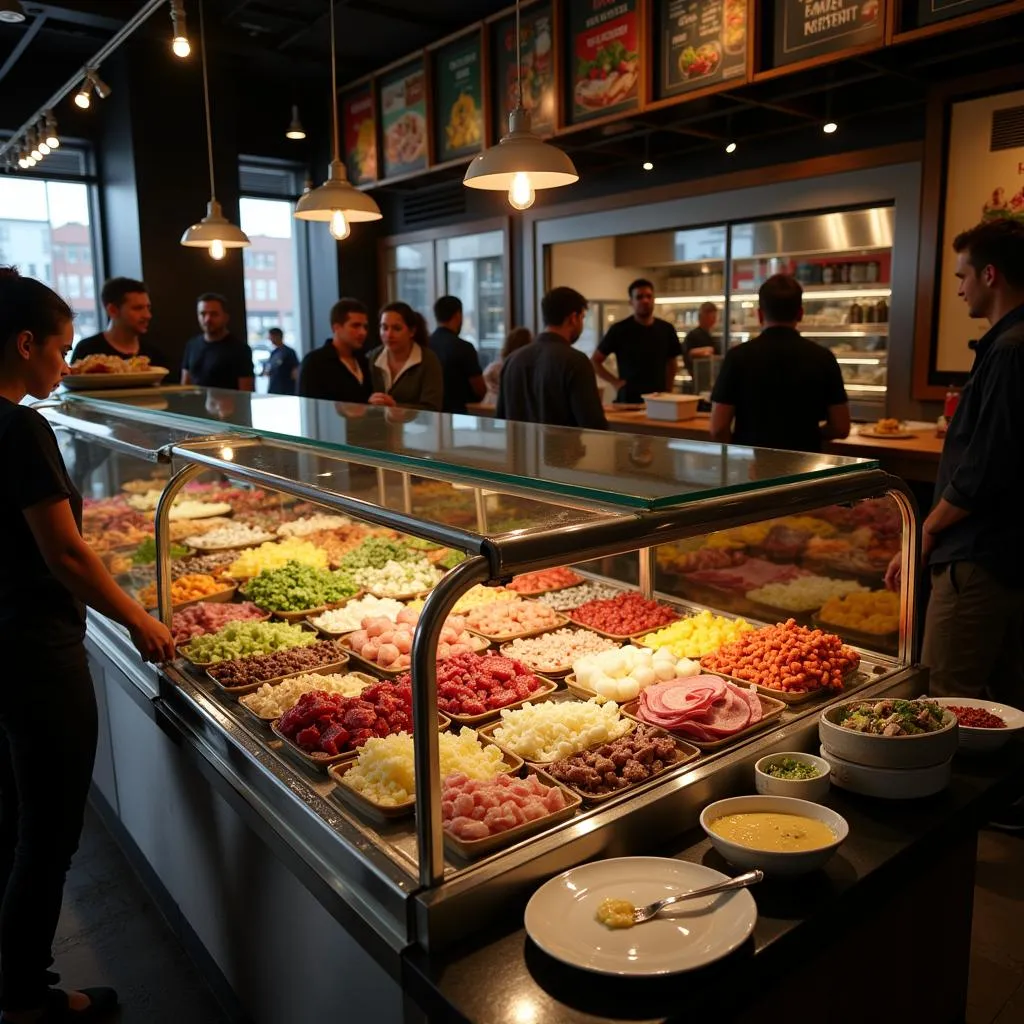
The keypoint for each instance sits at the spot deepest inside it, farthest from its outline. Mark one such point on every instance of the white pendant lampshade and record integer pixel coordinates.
(336, 201)
(214, 232)
(521, 162)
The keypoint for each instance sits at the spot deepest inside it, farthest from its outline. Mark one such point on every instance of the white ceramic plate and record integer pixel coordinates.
(561, 917)
(108, 381)
(984, 740)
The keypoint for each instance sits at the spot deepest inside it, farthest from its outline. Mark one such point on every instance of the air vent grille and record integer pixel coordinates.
(1007, 129)
(424, 206)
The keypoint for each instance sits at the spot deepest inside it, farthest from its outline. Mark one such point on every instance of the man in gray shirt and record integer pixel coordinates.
(548, 381)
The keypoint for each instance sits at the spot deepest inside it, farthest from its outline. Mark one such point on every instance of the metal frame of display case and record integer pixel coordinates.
(432, 906)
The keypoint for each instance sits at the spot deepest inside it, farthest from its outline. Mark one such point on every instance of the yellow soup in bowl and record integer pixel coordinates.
(774, 832)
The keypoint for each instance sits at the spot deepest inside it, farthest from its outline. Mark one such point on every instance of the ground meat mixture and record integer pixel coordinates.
(612, 766)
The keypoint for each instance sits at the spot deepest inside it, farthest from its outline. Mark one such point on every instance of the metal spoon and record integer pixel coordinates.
(641, 914)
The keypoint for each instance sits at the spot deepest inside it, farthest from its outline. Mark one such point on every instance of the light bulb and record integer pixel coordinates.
(731, 148)
(53, 142)
(520, 193)
(23, 163)
(217, 249)
(35, 154)
(339, 225)
(82, 98)
(43, 148)
(830, 127)
(648, 166)
(181, 47)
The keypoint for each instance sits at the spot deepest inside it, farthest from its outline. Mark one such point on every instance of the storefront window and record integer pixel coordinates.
(46, 230)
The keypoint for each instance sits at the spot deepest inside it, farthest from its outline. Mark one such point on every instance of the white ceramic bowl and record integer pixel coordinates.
(772, 863)
(983, 740)
(802, 789)
(931, 748)
(888, 783)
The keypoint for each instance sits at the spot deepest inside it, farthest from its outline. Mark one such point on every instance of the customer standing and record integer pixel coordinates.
(463, 378)
(646, 349)
(517, 338)
(338, 370)
(971, 539)
(283, 365)
(403, 369)
(129, 313)
(782, 390)
(548, 381)
(700, 342)
(216, 358)
(48, 722)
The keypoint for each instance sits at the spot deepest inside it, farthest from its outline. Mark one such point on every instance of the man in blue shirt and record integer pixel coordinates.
(283, 365)
(972, 541)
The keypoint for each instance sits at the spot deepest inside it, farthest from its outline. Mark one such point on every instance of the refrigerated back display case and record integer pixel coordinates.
(474, 269)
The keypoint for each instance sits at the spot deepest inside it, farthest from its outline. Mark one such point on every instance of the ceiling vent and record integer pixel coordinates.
(1007, 129)
(428, 205)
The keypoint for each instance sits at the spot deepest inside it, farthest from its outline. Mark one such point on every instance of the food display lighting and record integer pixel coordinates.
(180, 45)
(731, 148)
(830, 127)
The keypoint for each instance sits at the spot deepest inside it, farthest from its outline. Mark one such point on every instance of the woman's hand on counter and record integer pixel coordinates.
(152, 638)
(380, 398)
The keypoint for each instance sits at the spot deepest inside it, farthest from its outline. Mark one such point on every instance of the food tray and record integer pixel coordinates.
(266, 720)
(621, 638)
(217, 597)
(207, 549)
(202, 665)
(685, 753)
(391, 673)
(860, 639)
(300, 616)
(787, 696)
(776, 616)
(547, 687)
(526, 594)
(235, 691)
(324, 761)
(487, 731)
(544, 670)
(415, 595)
(111, 381)
(380, 812)
(508, 637)
(468, 849)
(771, 709)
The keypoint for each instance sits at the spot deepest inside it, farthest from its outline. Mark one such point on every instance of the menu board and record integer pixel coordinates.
(702, 42)
(604, 59)
(458, 98)
(538, 69)
(931, 11)
(814, 28)
(359, 117)
(403, 113)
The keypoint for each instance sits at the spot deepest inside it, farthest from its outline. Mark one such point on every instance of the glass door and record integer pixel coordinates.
(410, 277)
(474, 271)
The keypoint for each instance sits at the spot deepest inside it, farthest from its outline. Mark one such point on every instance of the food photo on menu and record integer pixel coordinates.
(605, 54)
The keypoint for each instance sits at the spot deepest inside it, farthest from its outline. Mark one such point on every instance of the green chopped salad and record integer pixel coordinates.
(145, 553)
(792, 769)
(893, 717)
(295, 587)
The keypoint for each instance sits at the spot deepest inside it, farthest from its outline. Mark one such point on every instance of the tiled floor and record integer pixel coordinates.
(111, 934)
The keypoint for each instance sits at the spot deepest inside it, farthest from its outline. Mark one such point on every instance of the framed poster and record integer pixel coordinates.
(984, 181)
(403, 113)
(459, 98)
(604, 62)
(817, 28)
(538, 69)
(703, 42)
(359, 120)
(931, 11)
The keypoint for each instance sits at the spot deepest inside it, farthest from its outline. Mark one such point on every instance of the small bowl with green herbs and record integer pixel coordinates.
(792, 774)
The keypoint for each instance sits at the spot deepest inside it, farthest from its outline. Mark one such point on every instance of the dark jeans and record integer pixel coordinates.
(48, 730)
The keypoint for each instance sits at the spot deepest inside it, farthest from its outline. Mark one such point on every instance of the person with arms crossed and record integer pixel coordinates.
(463, 378)
(646, 349)
(781, 390)
(548, 381)
(48, 716)
(971, 539)
(216, 358)
(700, 342)
(129, 313)
(338, 370)
(283, 365)
(403, 369)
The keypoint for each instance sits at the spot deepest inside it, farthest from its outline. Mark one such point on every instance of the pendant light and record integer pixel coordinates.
(295, 129)
(336, 200)
(214, 232)
(521, 162)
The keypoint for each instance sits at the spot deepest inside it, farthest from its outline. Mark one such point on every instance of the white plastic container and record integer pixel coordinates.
(661, 405)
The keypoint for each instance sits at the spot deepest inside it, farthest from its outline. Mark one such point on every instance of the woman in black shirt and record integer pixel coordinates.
(48, 725)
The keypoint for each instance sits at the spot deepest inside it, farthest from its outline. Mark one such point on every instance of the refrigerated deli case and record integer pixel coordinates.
(295, 894)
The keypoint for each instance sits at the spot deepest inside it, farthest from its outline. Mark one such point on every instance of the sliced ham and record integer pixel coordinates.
(753, 573)
(705, 708)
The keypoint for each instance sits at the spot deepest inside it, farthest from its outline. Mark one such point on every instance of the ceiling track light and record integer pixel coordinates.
(295, 129)
(521, 162)
(830, 127)
(731, 148)
(11, 12)
(82, 97)
(50, 130)
(180, 46)
(214, 232)
(336, 201)
(102, 89)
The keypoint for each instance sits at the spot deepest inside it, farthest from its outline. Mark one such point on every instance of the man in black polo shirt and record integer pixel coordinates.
(548, 381)
(216, 358)
(971, 540)
(646, 349)
(782, 390)
(129, 313)
(338, 371)
(463, 378)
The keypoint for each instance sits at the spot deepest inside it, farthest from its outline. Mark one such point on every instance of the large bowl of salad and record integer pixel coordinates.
(890, 732)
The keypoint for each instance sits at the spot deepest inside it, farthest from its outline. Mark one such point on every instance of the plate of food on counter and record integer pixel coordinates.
(100, 373)
(889, 428)
(564, 917)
